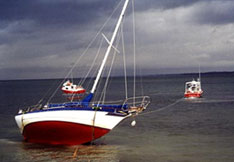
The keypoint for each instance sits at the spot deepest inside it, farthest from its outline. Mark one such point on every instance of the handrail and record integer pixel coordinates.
(140, 101)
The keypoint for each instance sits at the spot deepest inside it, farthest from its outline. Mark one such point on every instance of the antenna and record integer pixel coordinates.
(199, 73)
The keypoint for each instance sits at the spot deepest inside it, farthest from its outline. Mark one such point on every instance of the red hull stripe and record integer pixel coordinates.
(61, 133)
(188, 95)
(74, 92)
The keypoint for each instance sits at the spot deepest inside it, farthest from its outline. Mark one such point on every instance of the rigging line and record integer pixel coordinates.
(99, 85)
(103, 65)
(91, 78)
(124, 60)
(200, 74)
(92, 75)
(95, 114)
(92, 65)
(111, 67)
(95, 37)
(108, 76)
(78, 60)
(47, 92)
(163, 108)
(141, 81)
(102, 96)
(72, 77)
(134, 53)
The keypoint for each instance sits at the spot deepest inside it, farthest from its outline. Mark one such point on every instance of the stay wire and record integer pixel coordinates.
(92, 65)
(134, 53)
(81, 56)
(124, 61)
(103, 96)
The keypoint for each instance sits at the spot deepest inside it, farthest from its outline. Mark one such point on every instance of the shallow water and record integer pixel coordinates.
(188, 130)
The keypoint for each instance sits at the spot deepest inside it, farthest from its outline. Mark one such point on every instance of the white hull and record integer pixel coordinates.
(90, 118)
(66, 127)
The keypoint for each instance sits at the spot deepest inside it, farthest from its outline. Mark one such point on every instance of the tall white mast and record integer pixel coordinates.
(199, 73)
(109, 47)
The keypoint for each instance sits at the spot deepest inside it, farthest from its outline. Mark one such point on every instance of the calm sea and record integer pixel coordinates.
(182, 131)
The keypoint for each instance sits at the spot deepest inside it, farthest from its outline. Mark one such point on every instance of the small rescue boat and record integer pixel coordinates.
(193, 89)
(70, 88)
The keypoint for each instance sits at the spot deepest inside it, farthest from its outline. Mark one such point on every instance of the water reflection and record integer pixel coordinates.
(94, 152)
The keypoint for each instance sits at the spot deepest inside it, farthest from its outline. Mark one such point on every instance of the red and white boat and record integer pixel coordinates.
(193, 89)
(74, 123)
(70, 88)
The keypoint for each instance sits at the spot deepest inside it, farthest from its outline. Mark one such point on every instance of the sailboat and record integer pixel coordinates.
(193, 88)
(79, 122)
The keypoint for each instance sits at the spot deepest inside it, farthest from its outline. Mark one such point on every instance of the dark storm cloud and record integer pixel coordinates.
(163, 4)
(31, 26)
(213, 12)
(204, 11)
(39, 38)
(68, 12)
(32, 72)
(53, 12)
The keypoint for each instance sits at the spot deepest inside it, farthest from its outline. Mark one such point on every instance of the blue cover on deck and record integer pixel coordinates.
(111, 106)
(68, 104)
(87, 99)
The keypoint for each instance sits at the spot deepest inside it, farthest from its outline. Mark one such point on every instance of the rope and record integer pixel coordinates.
(93, 128)
(182, 99)
(202, 100)
(163, 108)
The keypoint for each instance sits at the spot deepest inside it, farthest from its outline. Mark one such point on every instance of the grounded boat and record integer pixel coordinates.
(193, 89)
(79, 122)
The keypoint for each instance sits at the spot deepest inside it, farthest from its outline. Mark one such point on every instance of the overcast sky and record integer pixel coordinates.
(42, 38)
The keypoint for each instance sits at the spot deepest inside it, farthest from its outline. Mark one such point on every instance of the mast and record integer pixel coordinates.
(199, 73)
(109, 47)
(200, 76)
